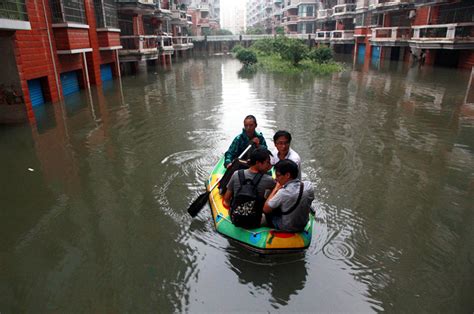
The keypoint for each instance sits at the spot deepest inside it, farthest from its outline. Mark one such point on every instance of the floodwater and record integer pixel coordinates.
(93, 197)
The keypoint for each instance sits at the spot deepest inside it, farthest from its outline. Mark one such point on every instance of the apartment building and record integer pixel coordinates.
(205, 16)
(51, 49)
(433, 32)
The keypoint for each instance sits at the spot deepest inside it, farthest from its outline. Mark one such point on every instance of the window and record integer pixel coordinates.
(106, 13)
(306, 10)
(68, 11)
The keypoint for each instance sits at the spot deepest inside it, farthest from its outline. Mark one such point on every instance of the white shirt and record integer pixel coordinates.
(292, 155)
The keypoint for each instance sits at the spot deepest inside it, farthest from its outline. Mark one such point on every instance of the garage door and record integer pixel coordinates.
(70, 83)
(36, 92)
(106, 72)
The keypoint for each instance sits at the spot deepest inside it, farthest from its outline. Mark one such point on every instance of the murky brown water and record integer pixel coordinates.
(93, 199)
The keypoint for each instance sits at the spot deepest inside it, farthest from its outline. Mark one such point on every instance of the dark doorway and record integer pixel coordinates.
(447, 58)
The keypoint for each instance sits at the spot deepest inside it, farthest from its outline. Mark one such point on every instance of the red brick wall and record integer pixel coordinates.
(93, 58)
(107, 57)
(108, 39)
(466, 59)
(33, 55)
(421, 17)
(71, 38)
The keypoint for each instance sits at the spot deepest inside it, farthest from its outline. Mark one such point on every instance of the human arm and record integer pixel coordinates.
(267, 209)
(230, 190)
(232, 152)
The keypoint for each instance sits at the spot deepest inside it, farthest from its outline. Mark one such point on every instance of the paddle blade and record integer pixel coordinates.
(198, 204)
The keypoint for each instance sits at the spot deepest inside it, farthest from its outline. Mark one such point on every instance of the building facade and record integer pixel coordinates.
(53, 48)
(437, 32)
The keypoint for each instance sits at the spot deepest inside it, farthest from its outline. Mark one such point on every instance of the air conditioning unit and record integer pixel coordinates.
(412, 14)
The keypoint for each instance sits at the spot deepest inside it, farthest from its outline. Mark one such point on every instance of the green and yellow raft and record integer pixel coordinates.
(262, 240)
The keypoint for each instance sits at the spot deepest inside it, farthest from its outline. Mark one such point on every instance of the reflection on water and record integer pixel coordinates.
(95, 193)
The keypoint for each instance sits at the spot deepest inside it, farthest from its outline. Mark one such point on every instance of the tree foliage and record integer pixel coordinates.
(223, 32)
(321, 54)
(246, 56)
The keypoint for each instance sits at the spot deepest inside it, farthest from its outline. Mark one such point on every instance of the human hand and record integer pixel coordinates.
(256, 141)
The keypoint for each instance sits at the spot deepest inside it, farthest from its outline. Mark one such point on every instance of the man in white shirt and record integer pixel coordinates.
(282, 150)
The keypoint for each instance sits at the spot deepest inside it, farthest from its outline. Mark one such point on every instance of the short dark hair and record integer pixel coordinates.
(260, 154)
(281, 133)
(252, 118)
(287, 166)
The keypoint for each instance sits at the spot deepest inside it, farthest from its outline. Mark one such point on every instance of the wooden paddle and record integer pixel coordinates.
(202, 199)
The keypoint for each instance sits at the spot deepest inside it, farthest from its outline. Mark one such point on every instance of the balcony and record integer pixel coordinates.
(342, 37)
(290, 20)
(323, 36)
(165, 45)
(203, 22)
(203, 7)
(182, 43)
(447, 36)
(344, 10)
(139, 48)
(386, 5)
(324, 14)
(391, 36)
(362, 5)
(138, 6)
(13, 15)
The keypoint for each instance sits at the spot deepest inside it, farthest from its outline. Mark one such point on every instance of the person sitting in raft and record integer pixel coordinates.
(288, 205)
(247, 189)
(248, 136)
(282, 150)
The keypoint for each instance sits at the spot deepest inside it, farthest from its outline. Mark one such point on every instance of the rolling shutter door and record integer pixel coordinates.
(361, 53)
(106, 72)
(36, 92)
(70, 83)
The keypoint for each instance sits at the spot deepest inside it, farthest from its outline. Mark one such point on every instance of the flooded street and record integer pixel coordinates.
(94, 197)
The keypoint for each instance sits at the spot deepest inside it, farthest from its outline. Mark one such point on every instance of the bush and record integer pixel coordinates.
(237, 48)
(293, 50)
(264, 46)
(320, 54)
(246, 56)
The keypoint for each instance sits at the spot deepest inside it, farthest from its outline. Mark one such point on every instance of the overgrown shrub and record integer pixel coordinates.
(246, 56)
(237, 48)
(293, 50)
(320, 54)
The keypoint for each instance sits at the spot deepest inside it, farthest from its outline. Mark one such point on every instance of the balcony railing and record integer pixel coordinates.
(344, 9)
(387, 34)
(342, 35)
(139, 43)
(13, 10)
(374, 4)
(182, 43)
(448, 33)
(323, 14)
(203, 7)
(323, 35)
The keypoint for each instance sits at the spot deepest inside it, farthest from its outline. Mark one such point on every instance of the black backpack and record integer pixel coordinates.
(246, 207)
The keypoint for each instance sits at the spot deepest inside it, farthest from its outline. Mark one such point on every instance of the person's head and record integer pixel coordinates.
(286, 170)
(282, 141)
(250, 124)
(260, 159)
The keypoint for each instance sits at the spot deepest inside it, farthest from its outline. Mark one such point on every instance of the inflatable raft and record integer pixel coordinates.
(262, 240)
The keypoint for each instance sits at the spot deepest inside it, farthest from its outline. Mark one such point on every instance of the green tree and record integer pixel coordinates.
(223, 32)
(321, 54)
(246, 56)
(280, 30)
(257, 30)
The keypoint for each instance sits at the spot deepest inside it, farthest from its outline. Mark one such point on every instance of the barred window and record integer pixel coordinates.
(68, 11)
(106, 13)
(125, 23)
(13, 10)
